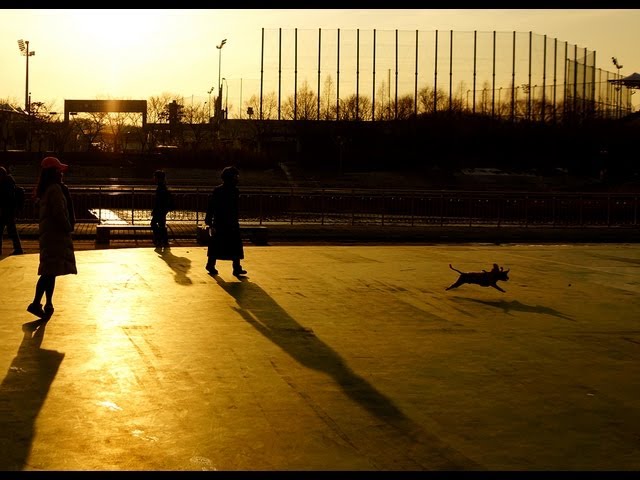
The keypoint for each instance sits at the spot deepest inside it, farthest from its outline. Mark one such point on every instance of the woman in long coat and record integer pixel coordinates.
(222, 216)
(56, 223)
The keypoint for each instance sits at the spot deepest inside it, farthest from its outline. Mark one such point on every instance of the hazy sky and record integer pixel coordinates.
(134, 54)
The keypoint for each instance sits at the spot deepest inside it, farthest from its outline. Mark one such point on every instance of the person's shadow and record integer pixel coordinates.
(22, 393)
(180, 265)
(271, 320)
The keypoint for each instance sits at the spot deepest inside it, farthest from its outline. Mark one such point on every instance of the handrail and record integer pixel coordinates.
(361, 206)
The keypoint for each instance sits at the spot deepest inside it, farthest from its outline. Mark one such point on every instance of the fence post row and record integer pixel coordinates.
(478, 61)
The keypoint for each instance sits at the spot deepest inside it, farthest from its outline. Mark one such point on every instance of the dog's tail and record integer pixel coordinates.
(455, 270)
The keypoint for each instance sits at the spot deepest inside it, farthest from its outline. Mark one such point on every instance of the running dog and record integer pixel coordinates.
(484, 278)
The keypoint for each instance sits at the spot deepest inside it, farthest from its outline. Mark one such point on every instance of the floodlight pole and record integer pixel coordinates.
(209, 92)
(219, 47)
(226, 98)
(24, 49)
(619, 88)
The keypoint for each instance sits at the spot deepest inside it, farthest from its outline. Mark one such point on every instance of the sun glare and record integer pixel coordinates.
(117, 31)
(118, 41)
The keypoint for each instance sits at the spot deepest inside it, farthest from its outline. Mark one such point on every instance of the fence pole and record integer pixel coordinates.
(197, 206)
(413, 206)
(353, 207)
(581, 208)
(291, 204)
(99, 205)
(261, 196)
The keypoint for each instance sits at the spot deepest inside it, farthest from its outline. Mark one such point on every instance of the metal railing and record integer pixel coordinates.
(325, 206)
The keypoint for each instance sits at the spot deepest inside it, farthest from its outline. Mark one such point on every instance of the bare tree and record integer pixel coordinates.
(328, 105)
(196, 117)
(348, 108)
(7, 109)
(383, 108)
(269, 106)
(89, 127)
(405, 107)
(459, 101)
(118, 124)
(426, 100)
(305, 103)
(157, 107)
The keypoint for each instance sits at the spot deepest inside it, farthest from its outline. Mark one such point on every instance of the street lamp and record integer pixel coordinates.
(24, 50)
(209, 92)
(219, 47)
(226, 98)
(618, 88)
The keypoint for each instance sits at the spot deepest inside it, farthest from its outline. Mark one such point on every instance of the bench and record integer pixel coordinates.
(257, 234)
(103, 232)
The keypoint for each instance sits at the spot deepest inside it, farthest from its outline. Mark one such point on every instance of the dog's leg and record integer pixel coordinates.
(498, 288)
(454, 285)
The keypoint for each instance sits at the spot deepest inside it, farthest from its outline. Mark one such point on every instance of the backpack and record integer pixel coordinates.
(19, 195)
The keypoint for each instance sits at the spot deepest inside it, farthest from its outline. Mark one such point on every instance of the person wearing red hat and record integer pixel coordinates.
(56, 224)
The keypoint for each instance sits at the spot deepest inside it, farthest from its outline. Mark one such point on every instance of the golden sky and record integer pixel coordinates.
(135, 54)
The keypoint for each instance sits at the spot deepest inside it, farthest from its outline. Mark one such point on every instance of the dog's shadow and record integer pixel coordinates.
(514, 305)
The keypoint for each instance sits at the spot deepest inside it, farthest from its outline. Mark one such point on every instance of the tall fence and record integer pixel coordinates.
(322, 206)
(391, 74)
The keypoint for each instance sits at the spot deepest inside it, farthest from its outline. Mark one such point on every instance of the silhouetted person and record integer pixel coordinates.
(225, 242)
(56, 223)
(162, 205)
(8, 210)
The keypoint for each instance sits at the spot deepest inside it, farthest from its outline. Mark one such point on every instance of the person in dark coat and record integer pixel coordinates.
(225, 242)
(162, 205)
(8, 211)
(55, 227)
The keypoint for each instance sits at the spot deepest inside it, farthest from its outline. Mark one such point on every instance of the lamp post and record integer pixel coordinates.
(226, 98)
(618, 88)
(219, 102)
(209, 92)
(24, 50)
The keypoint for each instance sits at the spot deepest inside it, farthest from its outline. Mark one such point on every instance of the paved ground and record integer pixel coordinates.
(325, 357)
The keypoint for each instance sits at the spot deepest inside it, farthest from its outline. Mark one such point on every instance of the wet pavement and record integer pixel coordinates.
(324, 357)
